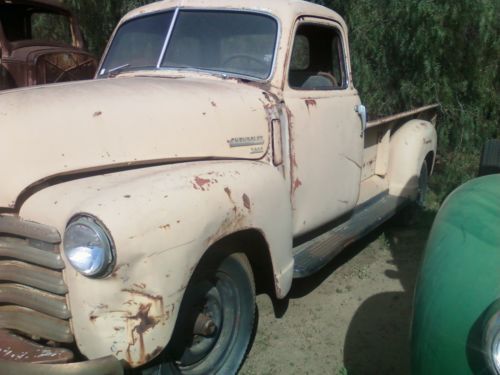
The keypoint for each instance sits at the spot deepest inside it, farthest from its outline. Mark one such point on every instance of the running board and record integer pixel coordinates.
(312, 255)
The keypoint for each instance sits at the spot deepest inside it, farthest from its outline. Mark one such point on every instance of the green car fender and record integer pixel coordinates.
(458, 289)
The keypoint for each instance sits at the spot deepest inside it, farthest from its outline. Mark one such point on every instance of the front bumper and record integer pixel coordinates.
(102, 366)
(21, 356)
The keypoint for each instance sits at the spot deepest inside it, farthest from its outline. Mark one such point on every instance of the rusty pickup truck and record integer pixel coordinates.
(221, 151)
(41, 42)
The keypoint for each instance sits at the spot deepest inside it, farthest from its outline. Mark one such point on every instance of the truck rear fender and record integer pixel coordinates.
(163, 220)
(410, 145)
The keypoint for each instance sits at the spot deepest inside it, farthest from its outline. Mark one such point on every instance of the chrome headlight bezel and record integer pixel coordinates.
(101, 258)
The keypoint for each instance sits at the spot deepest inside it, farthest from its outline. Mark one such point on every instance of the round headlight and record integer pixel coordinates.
(492, 342)
(88, 246)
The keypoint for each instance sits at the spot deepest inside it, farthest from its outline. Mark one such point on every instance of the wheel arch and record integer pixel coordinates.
(410, 145)
(253, 244)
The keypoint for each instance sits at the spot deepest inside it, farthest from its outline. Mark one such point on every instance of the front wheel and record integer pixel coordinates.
(215, 322)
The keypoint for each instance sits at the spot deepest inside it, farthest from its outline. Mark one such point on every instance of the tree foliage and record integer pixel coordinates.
(415, 52)
(404, 54)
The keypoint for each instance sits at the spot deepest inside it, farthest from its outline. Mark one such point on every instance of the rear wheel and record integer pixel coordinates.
(215, 322)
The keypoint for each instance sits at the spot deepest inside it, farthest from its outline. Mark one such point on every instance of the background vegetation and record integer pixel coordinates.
(405, 53)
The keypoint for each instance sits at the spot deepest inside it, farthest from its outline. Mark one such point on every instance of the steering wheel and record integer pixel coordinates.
(243, 56)
(329, 76)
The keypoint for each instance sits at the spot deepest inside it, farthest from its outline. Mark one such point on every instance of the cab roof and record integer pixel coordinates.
(284, 10)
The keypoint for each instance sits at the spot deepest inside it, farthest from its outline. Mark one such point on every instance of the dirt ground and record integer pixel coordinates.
(353, 317)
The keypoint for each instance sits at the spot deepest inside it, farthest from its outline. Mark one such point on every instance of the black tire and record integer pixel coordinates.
(489, 162)
(225, 292)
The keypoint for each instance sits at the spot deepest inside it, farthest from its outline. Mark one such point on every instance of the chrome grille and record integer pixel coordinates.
(32, 289)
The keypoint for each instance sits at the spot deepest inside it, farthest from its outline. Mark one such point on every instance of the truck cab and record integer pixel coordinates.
(41, 42)
(221, 151)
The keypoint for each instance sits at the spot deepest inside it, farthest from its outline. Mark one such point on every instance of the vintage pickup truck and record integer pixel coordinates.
(41, 42)
(221, 151)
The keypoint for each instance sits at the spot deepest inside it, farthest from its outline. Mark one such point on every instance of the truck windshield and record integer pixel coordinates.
(238, 43)
(22, 22)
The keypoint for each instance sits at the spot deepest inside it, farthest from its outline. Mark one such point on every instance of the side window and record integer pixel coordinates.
(317, 61)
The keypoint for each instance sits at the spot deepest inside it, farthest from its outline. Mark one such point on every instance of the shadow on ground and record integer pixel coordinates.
(378, 337)
(377, 340)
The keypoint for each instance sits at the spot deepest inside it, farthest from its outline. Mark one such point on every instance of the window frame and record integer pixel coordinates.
(320, 23)
(179, 9)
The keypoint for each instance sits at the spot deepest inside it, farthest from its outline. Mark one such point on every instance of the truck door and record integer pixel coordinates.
(326, 135)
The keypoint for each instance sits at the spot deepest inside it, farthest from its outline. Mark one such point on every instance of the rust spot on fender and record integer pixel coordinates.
(296, 184)
(199, 183)
(145, 321)
(97, 114)
(246, 202)
(144, 294)
(233, 221)
(118, 268)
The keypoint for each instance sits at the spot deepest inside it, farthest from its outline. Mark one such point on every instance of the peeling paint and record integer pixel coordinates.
(246, 202)
(199, 183)
(296, 184)
(310, 103)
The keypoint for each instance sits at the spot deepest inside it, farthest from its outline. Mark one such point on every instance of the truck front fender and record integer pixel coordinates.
(162, 220)
(410, 146)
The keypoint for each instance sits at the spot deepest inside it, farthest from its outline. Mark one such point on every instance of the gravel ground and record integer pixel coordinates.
(353, 317)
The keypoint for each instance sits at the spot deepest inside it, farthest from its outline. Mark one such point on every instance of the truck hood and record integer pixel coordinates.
(67, 129)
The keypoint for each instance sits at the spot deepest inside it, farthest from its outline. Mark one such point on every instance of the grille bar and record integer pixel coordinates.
(19, 249)
(35, 299)
(28, 229)
(37, 324)
(35, 276)
(33, 302)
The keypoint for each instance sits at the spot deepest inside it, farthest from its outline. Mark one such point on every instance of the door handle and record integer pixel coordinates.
(361, 111)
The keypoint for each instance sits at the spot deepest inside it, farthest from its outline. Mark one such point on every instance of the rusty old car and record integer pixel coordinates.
(221, 151)
(41, 42)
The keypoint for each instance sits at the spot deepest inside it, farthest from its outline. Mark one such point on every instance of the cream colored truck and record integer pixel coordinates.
(221, 150)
